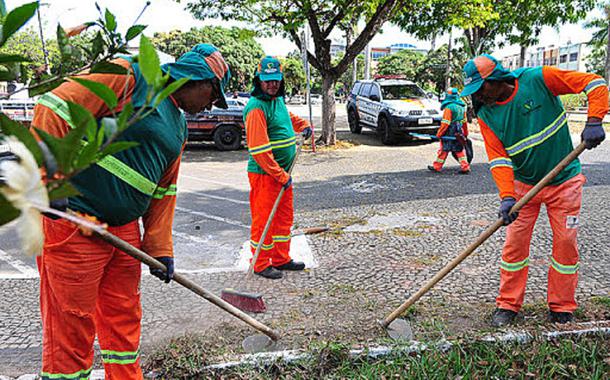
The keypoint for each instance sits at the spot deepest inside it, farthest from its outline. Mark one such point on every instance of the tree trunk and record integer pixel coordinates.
(328, 136)
(522, 55)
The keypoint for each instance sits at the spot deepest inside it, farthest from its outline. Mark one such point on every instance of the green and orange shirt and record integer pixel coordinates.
(137, 182)
(270, 136)
(527, 135)
(452, 113)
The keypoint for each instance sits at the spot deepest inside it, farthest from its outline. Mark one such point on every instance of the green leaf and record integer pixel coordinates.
(134, 31)
(100, 90)
(62, 152)
(41, 89)
(106, 67)
(7, 75)
(97, 46)
(7, 211)
(84, 122)
(149, 62)
(23, 134)
(16, 19)
(170, 89)
(123, 120)
(10, 58)
(118, 147)
(65, 190)
(110, 21)
(86, 156)
(62, 41)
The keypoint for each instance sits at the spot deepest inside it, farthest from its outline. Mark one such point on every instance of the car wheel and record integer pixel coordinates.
(354, 124)
(227, 137)
(387, 136)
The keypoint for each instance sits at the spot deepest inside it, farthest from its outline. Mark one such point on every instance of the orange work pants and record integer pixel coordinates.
(441, 157)
(88, 287)
(276, 247)
(563, 208)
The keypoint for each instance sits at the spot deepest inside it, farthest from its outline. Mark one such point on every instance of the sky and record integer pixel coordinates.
(166, 15)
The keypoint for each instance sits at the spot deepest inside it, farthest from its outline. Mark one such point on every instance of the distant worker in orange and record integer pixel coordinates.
(452, 133)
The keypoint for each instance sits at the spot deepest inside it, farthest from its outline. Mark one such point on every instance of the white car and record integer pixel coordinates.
(394, 107)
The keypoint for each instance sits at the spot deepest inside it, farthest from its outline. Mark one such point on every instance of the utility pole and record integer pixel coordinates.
(448, 71)
(367, 61)
(44, 46)
(304, 49)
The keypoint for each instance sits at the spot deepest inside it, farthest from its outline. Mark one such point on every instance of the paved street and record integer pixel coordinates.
(394, 225)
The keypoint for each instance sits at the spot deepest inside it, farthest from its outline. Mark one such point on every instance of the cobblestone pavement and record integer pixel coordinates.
(394, 225)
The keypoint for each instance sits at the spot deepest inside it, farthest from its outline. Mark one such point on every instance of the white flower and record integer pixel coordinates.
(24, 189)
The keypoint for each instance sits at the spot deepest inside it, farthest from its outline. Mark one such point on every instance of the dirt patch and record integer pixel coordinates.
(339, 145)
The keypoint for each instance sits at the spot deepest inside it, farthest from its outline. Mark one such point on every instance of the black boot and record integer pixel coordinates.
(292, 265)
(271, 272)
(430, 167)
(502, 317)
(560, 317)
(464, 171)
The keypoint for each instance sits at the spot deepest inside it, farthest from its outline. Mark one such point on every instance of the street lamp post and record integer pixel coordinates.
(45, 52)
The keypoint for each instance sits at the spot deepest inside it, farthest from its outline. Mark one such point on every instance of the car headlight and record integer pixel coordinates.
(396, 112)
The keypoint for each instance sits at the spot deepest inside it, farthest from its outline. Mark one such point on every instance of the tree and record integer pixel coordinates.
(599, 60)
(433, 70)
(294, 74)
(237, 45)
(404, 62)
(323, 17)
(482, 21)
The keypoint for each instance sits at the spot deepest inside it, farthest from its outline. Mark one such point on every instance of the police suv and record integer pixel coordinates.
(394, 107)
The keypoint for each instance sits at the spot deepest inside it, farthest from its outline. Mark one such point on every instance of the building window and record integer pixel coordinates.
(563, 58)
(573, 57)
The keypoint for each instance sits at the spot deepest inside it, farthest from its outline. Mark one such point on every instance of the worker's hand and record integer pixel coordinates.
(164, 275)
(307, 133)
(288, 183)
(505, 206)
(593, 134)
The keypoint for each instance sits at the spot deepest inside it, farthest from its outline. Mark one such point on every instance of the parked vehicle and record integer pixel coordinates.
(18, 110)
(393, 107)
(224, 127)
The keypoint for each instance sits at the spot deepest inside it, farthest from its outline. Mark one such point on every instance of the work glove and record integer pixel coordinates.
(505, 206)
(593, 134)
(288, 183)
(167, 275)
(307, 133)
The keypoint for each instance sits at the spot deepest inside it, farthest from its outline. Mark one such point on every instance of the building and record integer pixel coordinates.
(573, 57)
(336, 49)
(379, 52)
(567, 57)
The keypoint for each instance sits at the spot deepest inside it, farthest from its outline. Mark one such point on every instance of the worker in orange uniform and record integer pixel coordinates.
(526, 135)
(87, 287)
(270, 134)
(452, 133)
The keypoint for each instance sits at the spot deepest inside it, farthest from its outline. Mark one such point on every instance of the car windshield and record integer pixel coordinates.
(403, 91)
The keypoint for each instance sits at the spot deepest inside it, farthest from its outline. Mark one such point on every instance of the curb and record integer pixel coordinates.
(373, 352)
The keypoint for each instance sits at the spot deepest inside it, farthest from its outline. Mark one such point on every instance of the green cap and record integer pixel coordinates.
(269, 69)
(203, 62)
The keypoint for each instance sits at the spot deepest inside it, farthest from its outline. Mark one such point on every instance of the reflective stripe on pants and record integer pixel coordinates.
(563, 208)
(276, 247)
(89, 287)
(441, 157)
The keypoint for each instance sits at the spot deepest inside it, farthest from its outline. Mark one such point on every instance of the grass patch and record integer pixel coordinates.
(182, 357)
(560, 359)
(406, 232)
(601, 300)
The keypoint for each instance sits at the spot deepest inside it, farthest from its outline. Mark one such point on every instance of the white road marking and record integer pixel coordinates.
(24, 270)
(199, 194)
(213, 217)
(229, 184)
